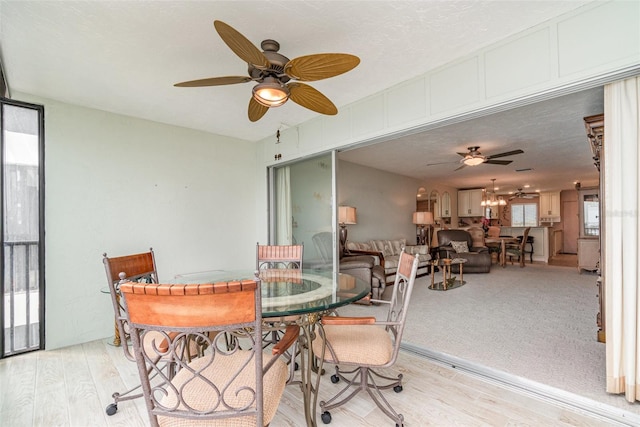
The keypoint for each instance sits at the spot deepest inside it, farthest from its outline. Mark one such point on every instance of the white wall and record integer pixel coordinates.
(594, 44)
(120, 185)
(385, 202)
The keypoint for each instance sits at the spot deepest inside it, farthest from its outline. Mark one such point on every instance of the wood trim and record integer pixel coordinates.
(201, 305)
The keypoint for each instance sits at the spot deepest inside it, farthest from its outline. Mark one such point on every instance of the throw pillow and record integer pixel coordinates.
(460, 247)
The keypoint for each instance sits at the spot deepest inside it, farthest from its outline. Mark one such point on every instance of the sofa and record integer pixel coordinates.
(361, 266)
(478, 257)
(387, 255)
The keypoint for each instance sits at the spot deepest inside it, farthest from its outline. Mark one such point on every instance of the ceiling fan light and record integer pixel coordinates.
(270, 93)
(473, 161)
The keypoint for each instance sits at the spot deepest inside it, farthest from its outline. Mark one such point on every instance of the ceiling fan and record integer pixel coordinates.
(475, 158)
(277, 76)
(522, 195)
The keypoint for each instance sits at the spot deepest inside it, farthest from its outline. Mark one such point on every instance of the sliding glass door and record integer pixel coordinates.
(301, 208)
(22, 260)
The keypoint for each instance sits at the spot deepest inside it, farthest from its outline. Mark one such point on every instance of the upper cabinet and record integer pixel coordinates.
(550, 206)
(469, 203)
(445, 208)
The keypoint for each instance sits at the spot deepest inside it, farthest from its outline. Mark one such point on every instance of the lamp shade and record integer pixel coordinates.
(271, 93)
(422, 218)
(347, 215)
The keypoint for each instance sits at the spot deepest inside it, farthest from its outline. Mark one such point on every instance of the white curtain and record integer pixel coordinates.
(284, 214)
(620, 240)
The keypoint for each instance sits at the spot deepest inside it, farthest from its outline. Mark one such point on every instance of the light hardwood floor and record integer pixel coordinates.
(72, 386)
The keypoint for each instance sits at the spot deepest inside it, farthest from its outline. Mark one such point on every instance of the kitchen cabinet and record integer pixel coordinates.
(446, 205)
(469, 203)
(550, 207)
(588, 254)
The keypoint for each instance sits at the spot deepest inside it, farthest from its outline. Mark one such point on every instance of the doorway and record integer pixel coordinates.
(22, 260)
(571, 226)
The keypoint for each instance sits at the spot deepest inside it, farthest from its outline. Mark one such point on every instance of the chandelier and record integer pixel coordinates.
(490, 198)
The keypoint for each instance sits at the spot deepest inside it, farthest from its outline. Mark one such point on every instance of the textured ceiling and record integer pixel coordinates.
(125, 56)
(551, 134)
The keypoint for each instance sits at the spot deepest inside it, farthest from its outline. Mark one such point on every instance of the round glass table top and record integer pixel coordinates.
(288, 291)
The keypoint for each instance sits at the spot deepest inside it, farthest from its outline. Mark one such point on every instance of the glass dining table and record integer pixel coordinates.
(296, 296)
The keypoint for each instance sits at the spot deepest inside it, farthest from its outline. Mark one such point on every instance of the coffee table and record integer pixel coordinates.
(448, 282)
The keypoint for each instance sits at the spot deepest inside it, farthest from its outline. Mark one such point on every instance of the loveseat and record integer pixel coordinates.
(478, 257)
(387, 254)
(362, 266)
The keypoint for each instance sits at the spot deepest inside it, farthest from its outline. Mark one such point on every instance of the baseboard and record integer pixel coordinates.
(602, 411)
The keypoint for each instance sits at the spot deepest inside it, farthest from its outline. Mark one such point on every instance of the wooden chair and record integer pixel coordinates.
(140, 268)
(494, 248)
(362, 344)
(237, 386)
(477, 236)
(279, 256)
(518, 250)
(493, 231)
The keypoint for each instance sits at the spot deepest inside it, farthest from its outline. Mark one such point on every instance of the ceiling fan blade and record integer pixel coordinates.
(440, 163)
(256, 110)
(464, 154)
(498, 162)
(320, 66)
(240, 45)
(505, 154)
(215, 81)
(461, 166)
(311, 98)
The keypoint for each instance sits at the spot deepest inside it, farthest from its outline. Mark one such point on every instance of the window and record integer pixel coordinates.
(524, 215)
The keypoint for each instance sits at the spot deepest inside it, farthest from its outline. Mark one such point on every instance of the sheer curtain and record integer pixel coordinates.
(621, 237)
(284, 221)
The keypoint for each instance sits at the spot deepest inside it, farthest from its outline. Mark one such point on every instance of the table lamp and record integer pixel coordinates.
(346, 215)
(421, 219)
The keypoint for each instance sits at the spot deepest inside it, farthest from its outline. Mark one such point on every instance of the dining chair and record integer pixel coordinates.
(279, 256)
(238, 385)
(518, 249)
(477, 236)
(139, 268)
(493, 231)
(494, 248)
(359, 346)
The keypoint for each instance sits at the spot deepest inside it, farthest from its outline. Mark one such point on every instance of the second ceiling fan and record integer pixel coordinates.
(474, 157)
(522, 195)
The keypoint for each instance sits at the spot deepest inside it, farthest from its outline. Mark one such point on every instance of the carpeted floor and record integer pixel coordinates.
(537, 323)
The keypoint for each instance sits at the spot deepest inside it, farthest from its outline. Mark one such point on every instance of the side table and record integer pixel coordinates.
(448, 282)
